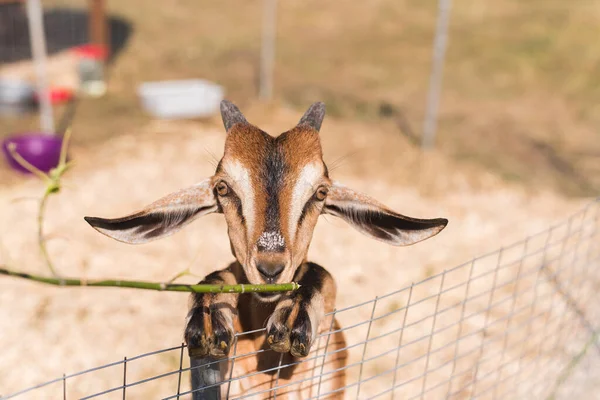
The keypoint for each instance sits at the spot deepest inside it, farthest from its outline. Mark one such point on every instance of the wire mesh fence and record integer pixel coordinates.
(509, 324)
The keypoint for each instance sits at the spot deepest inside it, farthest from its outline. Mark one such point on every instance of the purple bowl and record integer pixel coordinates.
(39, 149)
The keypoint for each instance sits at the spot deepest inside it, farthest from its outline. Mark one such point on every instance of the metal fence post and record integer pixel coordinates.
(437, 67)
(38, 49)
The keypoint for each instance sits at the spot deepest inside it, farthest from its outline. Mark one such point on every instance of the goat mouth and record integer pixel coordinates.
(267, 297)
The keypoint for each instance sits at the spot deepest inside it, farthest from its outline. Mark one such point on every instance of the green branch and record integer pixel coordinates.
(53, 186)
(163, 287)
(41, 237)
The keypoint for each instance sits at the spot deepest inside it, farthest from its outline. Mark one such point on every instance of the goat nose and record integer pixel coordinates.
(270, 270)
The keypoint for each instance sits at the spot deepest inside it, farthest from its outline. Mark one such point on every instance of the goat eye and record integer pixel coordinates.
(222, 189)
(321, 193)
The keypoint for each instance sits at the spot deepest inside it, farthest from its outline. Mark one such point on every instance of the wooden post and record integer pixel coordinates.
(98, 27)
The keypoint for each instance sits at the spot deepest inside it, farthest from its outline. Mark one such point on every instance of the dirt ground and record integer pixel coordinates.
(46, 331)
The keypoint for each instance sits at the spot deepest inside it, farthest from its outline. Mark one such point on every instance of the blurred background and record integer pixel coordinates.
(520, 91)
(487, 113)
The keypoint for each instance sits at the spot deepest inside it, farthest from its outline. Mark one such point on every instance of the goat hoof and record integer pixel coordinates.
(299, 349)
(207, 333)
(290, 335)
(301, 335)
(198, 343)
(222, 342)
(279, 339)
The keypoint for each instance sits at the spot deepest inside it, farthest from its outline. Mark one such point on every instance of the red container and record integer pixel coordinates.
(58, 95)
(92, 51)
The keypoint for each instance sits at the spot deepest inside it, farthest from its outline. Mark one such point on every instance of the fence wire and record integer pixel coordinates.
(509, 324)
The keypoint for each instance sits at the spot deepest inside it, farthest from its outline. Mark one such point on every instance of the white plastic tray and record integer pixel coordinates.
(194, 98)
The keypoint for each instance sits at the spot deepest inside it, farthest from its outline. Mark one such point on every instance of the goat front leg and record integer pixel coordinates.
(210, 330)
(296, 320)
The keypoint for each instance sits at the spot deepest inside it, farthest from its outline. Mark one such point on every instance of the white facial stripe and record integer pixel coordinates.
(303, 189)
(243, 186)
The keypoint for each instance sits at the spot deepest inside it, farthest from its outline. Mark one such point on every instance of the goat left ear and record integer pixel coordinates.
(161, 218)
(375, 220)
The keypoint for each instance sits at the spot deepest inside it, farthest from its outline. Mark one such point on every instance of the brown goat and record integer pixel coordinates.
(271, 191)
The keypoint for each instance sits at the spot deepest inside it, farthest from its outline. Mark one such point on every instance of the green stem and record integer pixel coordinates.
(12, 149)
(572, 365)
(41, 239)
(163, 287)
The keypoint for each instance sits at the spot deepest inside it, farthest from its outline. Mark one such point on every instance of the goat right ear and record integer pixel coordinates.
(161, 218)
